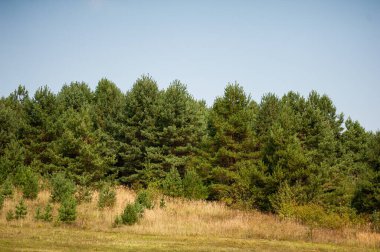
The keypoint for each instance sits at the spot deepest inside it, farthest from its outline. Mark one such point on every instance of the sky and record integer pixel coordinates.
(329, 46)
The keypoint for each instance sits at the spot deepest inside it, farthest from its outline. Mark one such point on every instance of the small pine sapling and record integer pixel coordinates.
(21, 210)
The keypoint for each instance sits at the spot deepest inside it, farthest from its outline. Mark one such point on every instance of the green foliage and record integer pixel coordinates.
(315, 216)
(375, 220)
(139, 209)
(277, 155)
(283, 202)
(62, 187)
(145, 199)
(12, 161)
(38, 214)
(7, 189)
(10, 215)
(68, 210)
(140, 130)
(172, 184)
(130, 215)
(107, 196)
(48, 213)
(21, 210)
(162, 203)
(193, 186)
(2, 198)
(29, 183)
(118, 221)
(45, 215)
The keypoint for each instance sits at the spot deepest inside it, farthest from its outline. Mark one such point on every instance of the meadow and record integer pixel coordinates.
(182, 225)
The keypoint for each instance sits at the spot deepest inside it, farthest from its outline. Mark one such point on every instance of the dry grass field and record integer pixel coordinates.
(182, 225)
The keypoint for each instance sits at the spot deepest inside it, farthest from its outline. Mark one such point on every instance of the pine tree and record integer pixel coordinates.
(140, 131)
(193, 186)
(231, 130)
(21, 210)
(172, 184)
(67, 211)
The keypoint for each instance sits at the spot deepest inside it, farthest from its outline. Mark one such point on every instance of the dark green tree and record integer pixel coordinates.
(140, 132)
(232, 139)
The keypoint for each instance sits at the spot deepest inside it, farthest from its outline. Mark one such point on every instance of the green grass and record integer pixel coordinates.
(16, 238)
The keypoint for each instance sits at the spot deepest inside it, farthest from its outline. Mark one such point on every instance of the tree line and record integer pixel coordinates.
(257, 155)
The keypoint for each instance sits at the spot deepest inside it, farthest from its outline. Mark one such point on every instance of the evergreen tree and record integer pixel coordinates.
(172, 184)
(67, 211)
(140, 132)
(21, 210)
(193, 186)
(41, 114)
(231, 130)
(180, 127)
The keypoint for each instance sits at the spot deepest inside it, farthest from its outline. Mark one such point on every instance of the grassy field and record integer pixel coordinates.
(14, 238)
(181, 226)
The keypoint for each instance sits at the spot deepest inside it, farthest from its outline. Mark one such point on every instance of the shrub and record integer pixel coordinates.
(67, 210)
(30, 188)
(107, 197)
(118, 221)
(139, 209)
(162, 203)
(48, 215)
(145, 199)
(7, 189)
(130, 215)
(172, 184)
(28, 181)
(10, 215)
(21, 210)
(193, 186)
(38, 214)
(315, 216)
(283, 202)
(62, 188)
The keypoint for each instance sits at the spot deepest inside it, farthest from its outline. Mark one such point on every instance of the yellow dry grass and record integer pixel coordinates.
(192, 219)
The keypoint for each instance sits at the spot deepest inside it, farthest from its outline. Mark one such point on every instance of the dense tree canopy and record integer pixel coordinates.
(280, 150)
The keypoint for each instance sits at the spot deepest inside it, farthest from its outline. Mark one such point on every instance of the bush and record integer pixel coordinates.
(130, 215)
(38, 215)
(21, 210)
(145, 199)
(28, 181)
(68, 210)
(283, 202)
(7, 189)
(172, 184)
(10, 215)
(107, 197)
(48, 215)
(315, 216)
(162, 203)
(139, 209)
(30, 188)
(118, 221)
(193, 186)
(62, 188)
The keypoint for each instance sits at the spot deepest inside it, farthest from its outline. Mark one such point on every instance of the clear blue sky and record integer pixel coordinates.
(266, 46)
